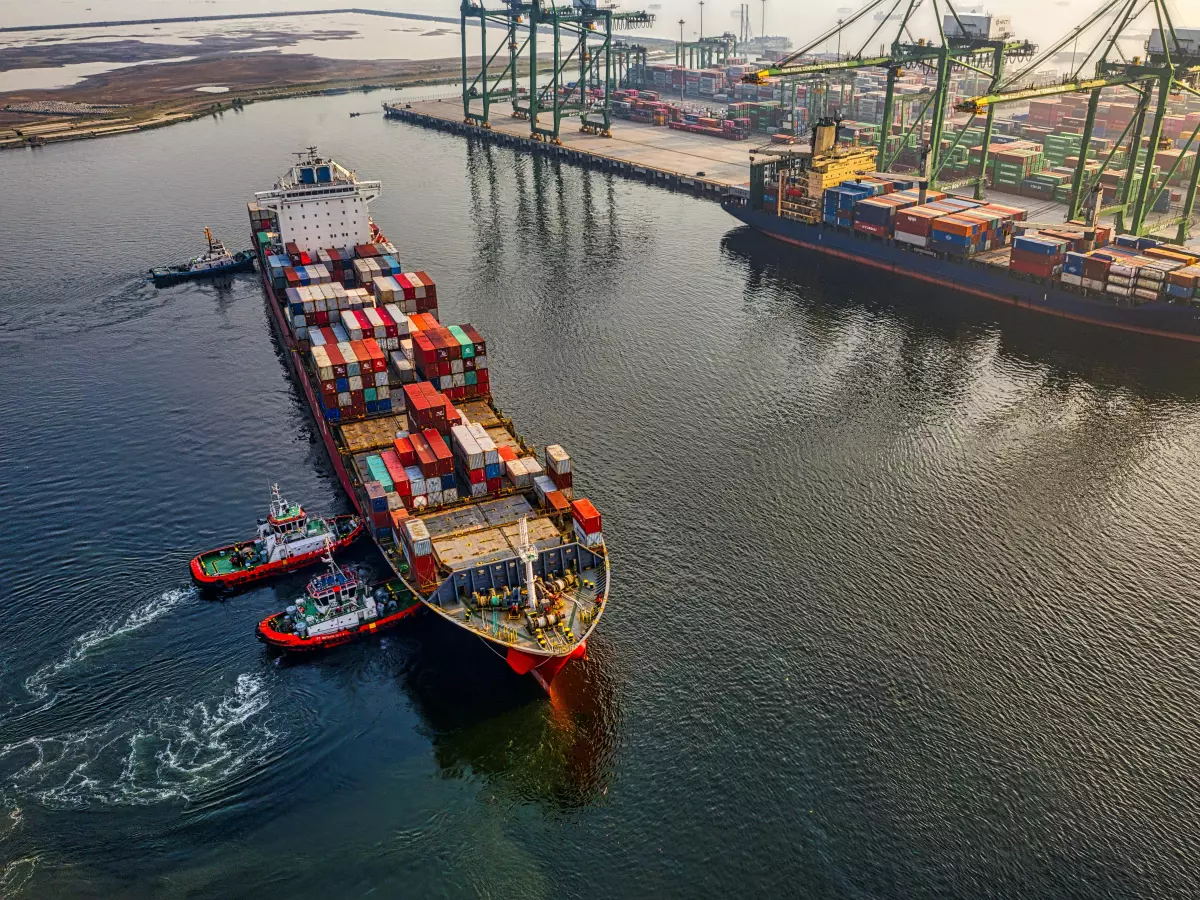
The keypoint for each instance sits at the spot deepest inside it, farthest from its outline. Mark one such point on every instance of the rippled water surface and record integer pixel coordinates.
(905, 585)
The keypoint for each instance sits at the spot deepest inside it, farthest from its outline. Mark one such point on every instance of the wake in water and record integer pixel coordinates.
(180, 752)
(38, 685)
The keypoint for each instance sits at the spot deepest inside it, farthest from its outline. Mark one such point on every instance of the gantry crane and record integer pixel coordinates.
(1171, 66)
(584, 28)
(962, 48)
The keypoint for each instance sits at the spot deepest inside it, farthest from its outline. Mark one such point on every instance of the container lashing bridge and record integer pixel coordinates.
(583, 68)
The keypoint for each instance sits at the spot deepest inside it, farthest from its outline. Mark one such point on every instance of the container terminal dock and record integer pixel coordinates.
(1120, 125)
(667, 156)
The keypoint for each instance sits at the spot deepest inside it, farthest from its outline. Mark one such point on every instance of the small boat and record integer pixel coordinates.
(213, 262)
(337, 607)
(288, 539)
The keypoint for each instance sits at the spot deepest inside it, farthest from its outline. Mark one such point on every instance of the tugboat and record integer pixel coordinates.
(214, 261)
(288, 539)
(337, 607)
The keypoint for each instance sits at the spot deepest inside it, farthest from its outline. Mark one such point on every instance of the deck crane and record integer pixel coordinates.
(1171, 66)
(961, 46)
(582, 38)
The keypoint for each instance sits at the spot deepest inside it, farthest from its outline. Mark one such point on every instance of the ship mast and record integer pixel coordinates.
(527, 555)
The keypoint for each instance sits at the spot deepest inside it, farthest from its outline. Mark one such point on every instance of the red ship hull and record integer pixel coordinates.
(291, 643)
(243, 577)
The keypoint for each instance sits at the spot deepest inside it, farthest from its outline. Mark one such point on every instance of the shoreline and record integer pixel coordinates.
(129, 120)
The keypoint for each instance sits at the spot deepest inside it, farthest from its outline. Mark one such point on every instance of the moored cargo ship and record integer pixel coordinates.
(827, 200)
(484, 533)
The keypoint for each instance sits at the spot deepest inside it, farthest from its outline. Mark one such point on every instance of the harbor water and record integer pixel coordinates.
(904, 596)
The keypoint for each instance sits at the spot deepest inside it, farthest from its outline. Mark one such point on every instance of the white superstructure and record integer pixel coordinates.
(320, 204)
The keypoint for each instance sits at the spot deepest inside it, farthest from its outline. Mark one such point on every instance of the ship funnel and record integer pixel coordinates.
(922, 191)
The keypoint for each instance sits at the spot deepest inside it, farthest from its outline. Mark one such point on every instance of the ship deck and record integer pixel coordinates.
(579, 609)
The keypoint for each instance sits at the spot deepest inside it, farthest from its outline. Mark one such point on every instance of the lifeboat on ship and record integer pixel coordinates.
(288, 539)
(338, 606)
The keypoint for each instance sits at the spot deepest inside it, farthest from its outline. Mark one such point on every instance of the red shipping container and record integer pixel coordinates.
(374, 354)
(586, 515)
(493, 485)
(395, 470)
(453, 416)
(404, 450)
(322, 317)
(557, 502)
(381, 520)
(476, 338)
(397, 516)
(506, 453)
(561, 480)
(868, 228)
(426, 458)
(477, 476)
(336, 359)
(445, 459)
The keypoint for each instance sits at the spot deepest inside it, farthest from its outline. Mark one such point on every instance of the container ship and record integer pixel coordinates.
(485, 532)
(826, 199)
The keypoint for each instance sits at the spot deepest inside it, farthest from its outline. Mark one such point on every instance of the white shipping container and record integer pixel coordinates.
(1093, 284)
(458, 380)
(915, 239)
(344, 399)
(415, 478)
(480, 362)
(1122, 271)
(435, 498)
(394, 500)
(383, 393)
(588, 540)
(515, 469)
(399, 318)
(450, 495)
(557, 459)
(444, 383)
(491, 456)
(1145, 294)
(543, 485)
(479, 490)
(1068, 278)
(381, 379)
(418, 537)
(456, 367)
(466, 447)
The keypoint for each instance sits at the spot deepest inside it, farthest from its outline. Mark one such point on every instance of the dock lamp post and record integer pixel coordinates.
(683, 78)
(701, 19)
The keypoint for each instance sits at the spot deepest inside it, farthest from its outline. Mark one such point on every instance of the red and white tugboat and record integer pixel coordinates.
(288, 539)
(337, 607)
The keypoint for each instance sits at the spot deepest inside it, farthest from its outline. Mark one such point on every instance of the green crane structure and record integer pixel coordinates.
(582, 52)
(629, 64)
(1171, 67)
(705, 52)
(960, 50)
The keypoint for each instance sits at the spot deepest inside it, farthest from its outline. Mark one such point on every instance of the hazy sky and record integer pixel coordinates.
(1038, 20)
